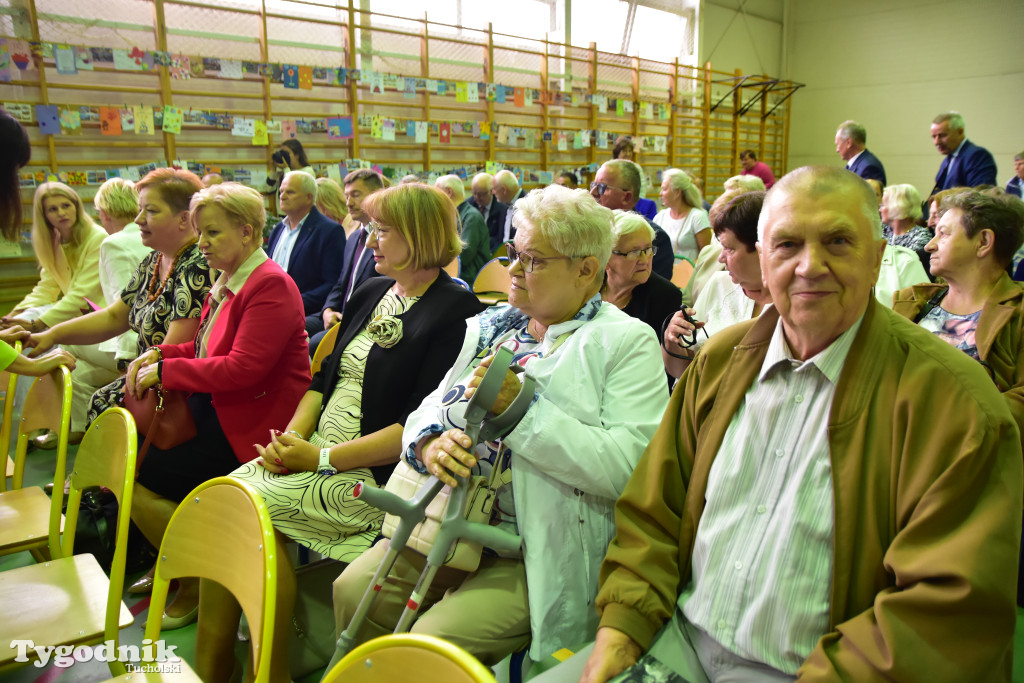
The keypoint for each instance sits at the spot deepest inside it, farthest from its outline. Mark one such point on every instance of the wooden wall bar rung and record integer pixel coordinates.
(693, 136)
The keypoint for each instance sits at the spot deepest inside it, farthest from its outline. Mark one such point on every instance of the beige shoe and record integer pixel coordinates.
(48, 440)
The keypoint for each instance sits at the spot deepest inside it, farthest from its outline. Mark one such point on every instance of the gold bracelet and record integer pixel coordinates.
(159, 353)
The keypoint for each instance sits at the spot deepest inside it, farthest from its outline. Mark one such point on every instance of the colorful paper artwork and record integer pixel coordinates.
(172, 119)
(339, 128)
(110, 121)
(48, 116)
(290, 74)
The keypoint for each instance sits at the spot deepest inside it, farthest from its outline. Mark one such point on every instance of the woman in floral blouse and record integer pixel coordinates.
(401, 332)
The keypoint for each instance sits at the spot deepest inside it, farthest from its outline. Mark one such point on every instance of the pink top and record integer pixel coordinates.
(762, 171)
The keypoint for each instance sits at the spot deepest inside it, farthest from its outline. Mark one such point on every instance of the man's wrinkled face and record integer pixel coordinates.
(482, 194)
(819, 260)
(844, 147)
(945, 139)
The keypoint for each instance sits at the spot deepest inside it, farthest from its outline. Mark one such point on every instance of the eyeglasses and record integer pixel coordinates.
(604, 187)
(528, 261)
(637, 253)
(690, 340)
(373, 229)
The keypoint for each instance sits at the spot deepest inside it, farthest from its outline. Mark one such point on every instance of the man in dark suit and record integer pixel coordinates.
(472, 230)
(306, 244)
(1014, 186)
(492, 210)
(617, 186)
(965, 164)
(851, 141)
(357, 261)
(507, 191)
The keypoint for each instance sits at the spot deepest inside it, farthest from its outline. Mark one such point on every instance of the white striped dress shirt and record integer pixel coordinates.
(762, 558)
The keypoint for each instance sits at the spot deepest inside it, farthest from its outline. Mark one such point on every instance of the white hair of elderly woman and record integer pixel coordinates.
(572, 221)
(745, 183)
(628, 222)
(679, 180)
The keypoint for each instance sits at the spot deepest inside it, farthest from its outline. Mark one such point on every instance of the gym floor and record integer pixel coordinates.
(39, 467)
(39, 470)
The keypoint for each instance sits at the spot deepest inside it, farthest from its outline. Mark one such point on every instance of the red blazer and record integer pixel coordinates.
(257, 364)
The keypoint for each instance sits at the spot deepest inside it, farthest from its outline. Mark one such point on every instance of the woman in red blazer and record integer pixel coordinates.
(243, 374)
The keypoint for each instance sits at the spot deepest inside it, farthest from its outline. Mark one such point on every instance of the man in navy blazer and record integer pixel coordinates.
(851, 141)
(306, 244)
(507, 191)
(1014, 186)
(493, 211)
(965, 164)
(357, 263)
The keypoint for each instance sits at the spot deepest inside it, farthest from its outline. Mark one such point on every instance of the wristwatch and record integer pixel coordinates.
(326, 468)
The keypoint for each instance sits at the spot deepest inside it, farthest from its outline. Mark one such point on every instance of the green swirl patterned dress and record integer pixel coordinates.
(319, 511)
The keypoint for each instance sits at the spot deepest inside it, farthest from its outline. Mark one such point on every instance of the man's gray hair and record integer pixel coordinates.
(507, 179)
(485, 179)
(571, 221)
(816, 181)
(851, 130)
(629, 174)
(454, 183)
(956, 121)
(307, 183)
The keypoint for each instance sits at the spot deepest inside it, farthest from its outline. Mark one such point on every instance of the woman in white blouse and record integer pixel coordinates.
(686, 224)
(731, 296)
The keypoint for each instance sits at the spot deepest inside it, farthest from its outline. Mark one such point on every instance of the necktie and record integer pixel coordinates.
(350, 277)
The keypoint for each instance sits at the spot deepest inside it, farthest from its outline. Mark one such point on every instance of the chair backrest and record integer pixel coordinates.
(406, 657)
(47, 406)
(222, 531)
(493, 277)
(682, 270)
(454, 267)
(9, 383)
(325, 348)
(106, 457)
(460, 281)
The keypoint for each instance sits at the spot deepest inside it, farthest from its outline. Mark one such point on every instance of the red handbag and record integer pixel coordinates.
(163, 417)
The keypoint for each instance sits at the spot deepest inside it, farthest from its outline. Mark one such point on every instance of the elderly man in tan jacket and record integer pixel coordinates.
(834, 494)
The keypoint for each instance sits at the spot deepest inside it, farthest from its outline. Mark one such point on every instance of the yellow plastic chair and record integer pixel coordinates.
(70, 600)
(493, 282)
(454, 267)
(221, 531)
(682, 271)
(27, 514)
(408, 657)
(326, 347)
(9, 381)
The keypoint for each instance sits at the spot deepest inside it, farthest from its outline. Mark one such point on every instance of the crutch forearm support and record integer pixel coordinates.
(409, 512)
(412, 512)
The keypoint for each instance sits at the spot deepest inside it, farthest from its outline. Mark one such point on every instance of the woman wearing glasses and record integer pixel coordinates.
(629, 283)
(600, 395)
(729, 297)
(400, 333)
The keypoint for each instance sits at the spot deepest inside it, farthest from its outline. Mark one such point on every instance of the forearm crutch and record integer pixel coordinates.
(412, 512)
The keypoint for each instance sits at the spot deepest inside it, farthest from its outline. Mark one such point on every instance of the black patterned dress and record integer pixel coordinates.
(182, 297)
(320, 511)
